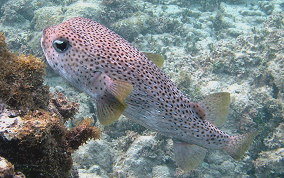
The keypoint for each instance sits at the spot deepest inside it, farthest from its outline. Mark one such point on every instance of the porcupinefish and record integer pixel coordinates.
(123, 80)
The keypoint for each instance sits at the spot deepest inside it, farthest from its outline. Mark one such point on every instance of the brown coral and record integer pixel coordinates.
(39, 144)
(21, 80)
(80, 134)
(7, 169)
(66, 109)
(36, 145)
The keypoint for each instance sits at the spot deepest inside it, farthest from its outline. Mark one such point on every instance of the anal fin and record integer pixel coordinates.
(188, 156)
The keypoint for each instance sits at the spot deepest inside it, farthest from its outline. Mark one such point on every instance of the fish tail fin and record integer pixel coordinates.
(239, 144)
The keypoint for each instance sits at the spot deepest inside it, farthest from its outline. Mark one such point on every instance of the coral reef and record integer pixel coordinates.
(21, 80)
(36, 145)
(66, 109)
(210, 46)
(7, 169)
(270, 163)
(39, 144)
(81, 133)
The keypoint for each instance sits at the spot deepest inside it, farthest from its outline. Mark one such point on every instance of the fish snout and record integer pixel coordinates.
(44, 36)
(42, 42)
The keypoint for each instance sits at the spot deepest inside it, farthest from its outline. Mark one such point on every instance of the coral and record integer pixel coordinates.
(115, 10)
(35, 144)
(21, 80)
(62, 106)
(36, 141)
(80, 134)
(39, 144)
(84, 9)
(104, 159)
(270, 163)
(276, 139)
(41, 20)
(7, 169)
(161, 171)
(142, 155)
(137, 22)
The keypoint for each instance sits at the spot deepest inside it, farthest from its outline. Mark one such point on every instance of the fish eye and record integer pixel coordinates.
(61, 45)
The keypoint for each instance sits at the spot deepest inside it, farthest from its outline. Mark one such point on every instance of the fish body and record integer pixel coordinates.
(122, 80)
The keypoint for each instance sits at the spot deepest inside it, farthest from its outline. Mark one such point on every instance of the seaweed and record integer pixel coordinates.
(21, 80)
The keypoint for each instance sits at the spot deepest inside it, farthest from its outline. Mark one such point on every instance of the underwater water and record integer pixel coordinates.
(209, 46)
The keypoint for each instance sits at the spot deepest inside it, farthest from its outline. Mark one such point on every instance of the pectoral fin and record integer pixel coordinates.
(120, 90)
(155, 58)
(111, 104)
(188, 156)
(109, 109)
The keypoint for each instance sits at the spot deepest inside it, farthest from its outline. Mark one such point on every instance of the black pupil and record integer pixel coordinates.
(60, 45)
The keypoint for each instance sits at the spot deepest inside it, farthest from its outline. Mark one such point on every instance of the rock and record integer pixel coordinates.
(275, 68)
(131, 27)
(36, 139)
(140, 158)
(161, 171)
(84, 9)
(270, 163)
(95, 169)
(276, 139)
(98, 152)
(266, 6)
(7, 170)
(135, 163)
(47, 16)
(17, 13)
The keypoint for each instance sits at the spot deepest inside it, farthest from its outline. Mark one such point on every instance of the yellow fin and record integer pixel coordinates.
(111, 104)
(188, 156)
(120, 90)
(239, 144)
(109, 109)
(155, 58)
(216, 107)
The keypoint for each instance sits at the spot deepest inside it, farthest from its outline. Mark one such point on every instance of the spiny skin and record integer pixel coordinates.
(155, 101)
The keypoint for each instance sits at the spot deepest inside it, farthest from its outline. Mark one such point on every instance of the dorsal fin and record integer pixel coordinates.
(216, 107)
(157, 59)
